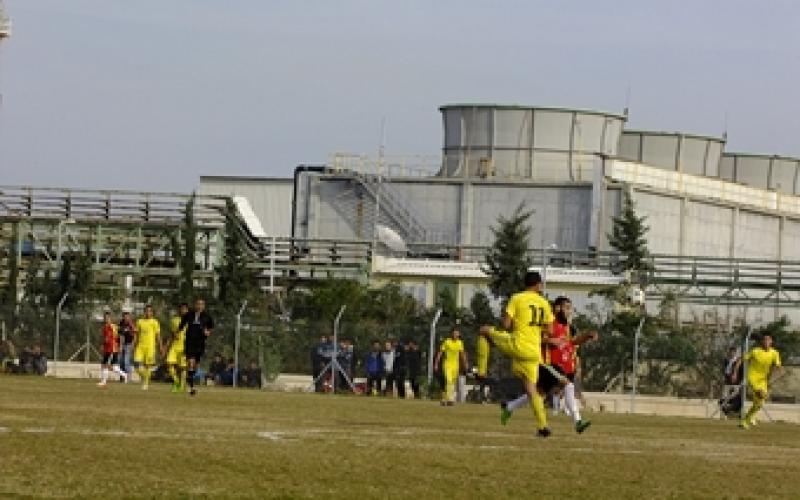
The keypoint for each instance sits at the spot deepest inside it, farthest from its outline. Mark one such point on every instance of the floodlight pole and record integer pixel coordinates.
(237, 341)
(634, 378)
(58, 332)
(335, 359)
(432, 345)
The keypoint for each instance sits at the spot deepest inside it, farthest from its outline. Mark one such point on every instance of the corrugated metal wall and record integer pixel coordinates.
(270, 198)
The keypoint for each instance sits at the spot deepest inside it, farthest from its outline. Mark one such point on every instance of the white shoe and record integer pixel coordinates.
(101, 384)
(145, 387)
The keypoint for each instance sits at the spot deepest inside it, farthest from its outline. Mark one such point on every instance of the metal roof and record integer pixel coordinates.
(533, 108)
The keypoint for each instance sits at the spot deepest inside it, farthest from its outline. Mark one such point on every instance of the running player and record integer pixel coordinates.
(110, 351)
(762, 361)
(526, 314)
(557, 374)
(149, 335)
(176, 360)
(452, 350)
(199, 325)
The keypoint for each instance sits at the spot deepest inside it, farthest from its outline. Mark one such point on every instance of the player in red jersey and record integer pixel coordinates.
(110, 351)
(557, 372)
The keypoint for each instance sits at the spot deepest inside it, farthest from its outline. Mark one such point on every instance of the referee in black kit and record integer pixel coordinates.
(200, 325)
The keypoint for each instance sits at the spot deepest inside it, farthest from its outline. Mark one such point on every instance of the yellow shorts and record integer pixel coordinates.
(758, 385)
(176, 356)
(526, 370)
(508, 345)
(145, 355)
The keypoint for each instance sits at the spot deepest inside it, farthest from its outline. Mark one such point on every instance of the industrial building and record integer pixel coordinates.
(724, 227)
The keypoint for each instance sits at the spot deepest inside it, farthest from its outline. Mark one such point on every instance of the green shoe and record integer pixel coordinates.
(505, 414)
(582, 425)
(175, 389)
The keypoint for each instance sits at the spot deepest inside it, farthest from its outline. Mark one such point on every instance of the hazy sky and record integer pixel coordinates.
(152, 94)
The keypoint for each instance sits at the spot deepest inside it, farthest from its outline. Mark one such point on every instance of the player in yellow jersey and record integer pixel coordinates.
(762, 362)
(526, 314)
(148, 337)
(452, 350)
(176, 360)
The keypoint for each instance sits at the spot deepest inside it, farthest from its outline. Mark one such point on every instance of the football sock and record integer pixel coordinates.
(183, 379)
(556, 401)
(103, 374)
(517, 403)
(482, 351)
(190, 378)
(570, 403)
(537, 403)
(751, 413)
(173, 374)
(147, 374)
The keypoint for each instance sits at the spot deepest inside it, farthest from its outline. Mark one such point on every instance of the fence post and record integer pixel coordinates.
(634, 374)
(58, 332)
(432, 345)
(272, 266)
(236, 342)
(743, 382)
(335, 359)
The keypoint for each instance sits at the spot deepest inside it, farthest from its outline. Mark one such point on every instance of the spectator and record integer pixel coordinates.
(345, 362)
(251, 377)
(8, 357)
(228, 374)
(413, 358)
(38, 361)
(216, 369)
(728, 366)
(127, 334)
(388, 368)
(373, 365)
(400, 368)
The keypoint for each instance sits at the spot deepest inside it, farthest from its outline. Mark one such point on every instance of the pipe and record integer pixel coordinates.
(297, 171)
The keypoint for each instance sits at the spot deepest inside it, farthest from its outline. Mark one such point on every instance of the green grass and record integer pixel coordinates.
(68, 438)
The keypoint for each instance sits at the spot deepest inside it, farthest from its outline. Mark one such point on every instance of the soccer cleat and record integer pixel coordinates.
(145, 387)
(175, 389)
(543, 433)
(101, 384)
(582, 425)
(192, 392)
(505, 413)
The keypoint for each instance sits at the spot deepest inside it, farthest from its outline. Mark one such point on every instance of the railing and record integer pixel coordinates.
(389, 166)
(106, 205)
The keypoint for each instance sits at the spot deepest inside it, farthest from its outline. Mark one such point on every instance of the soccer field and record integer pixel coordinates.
(68, 438)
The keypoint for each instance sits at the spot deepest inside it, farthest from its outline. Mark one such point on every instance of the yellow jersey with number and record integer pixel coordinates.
(529, 313)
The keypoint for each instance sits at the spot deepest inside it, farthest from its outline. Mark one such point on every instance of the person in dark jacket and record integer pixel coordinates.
(317, 361)
(373, 365)
(413, 363)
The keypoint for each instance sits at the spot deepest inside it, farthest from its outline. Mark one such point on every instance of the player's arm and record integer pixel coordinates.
(777, 369)
(436, 360)
(585, 337)
(463, 356)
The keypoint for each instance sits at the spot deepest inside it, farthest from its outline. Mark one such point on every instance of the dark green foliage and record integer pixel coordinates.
(629, 236)
(186, 255)
(236, 280)
(508, 260)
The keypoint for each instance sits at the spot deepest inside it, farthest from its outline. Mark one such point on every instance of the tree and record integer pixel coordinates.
(236, 280)
(628, 236)
(186, 256)
(508, 260)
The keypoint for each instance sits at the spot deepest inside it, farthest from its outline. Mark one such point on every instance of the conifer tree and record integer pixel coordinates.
(628, 236)
(508, 260)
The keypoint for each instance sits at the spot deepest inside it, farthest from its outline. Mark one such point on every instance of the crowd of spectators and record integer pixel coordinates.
(30, 361)
(389, 367)
(223, 372)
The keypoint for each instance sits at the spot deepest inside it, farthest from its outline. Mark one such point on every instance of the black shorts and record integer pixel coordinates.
(110, 358)
(194, 347)
(549, 376)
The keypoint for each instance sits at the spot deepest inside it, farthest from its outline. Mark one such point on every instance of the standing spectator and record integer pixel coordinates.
(345, 362)
(388, 368)
(110, 351)
(414, 364)
(400, 368)
(38, 360)
(373, 364)
(316, 362)
(127, 335)
(251, 377)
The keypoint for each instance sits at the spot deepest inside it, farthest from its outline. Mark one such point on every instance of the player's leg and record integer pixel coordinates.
(115, 367)
(499, 339)
(482, 352)
(192, 369)
(528, 372)
(103, 371)
(759, 397)
(450, 376)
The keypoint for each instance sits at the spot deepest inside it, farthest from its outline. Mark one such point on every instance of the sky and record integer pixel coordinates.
(149, 95)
